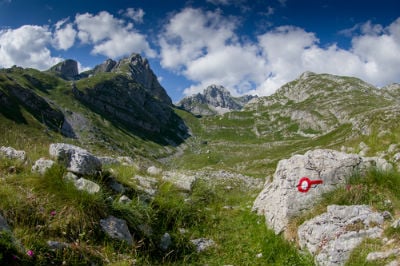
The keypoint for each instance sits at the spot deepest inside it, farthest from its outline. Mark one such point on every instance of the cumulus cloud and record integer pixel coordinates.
(111, 36)
(135, 14)
(64, 35)
(204, 47)
(27, 46)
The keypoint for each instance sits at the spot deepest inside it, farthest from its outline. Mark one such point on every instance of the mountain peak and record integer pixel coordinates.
(67, 69)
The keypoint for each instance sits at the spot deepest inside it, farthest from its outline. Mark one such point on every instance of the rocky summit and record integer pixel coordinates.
(214, 100)
(100, 168)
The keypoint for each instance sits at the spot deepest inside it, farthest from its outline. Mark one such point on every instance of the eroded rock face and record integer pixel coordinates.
(76, 159)
(282, 199)
(331, 236)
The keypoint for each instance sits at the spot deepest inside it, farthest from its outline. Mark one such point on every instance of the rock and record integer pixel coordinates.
(281, 199)
(181, 180)
(331, 236)
(41, 165)
(392, 148)
(71, 177)
(3, 224)
(165, 242)
(396, 224)
(76, 159)
(117, 229)
(152, 170)
(67, 69)
(380, 163)
(393, 263)
(87, 185)
(55, 245)
(12, 153)
(202, 244)
(124, 200)
(116, 186)
(126, 160)
(146, 184)
(396, 157)
(383, 255)
(106, 160)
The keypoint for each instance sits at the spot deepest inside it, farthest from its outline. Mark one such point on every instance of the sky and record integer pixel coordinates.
(247, 46)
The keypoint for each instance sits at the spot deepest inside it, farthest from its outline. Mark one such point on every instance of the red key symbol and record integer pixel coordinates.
(305, 184)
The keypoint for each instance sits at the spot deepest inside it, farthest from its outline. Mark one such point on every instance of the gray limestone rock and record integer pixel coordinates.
(87, 185)
(12, 153)
(331, 236)
(285, 197)
(42, 165)
(116, 228)
(153, 170)
(202, 244)
(76, 159)
(383, 254)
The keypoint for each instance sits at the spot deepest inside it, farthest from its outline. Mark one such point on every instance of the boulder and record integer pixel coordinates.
(285, 197)
(87, 185)
(331, 236)
(76, 159)
(41, 165)
(117, 229)
(12, 153)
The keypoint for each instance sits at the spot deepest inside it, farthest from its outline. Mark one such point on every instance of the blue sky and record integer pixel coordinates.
(248, 46)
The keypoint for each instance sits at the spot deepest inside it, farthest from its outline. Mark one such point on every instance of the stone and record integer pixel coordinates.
(116, 186)
(76, 159)
(87, 185)
(331, 236)
(383, 255)
(281, 199)
(116, 228)
(152, 170)
(379, 163)
(165, 242)
(55, 245)
(202, 244)
(106, 160)
(124, 200)
(392, 148)
(3, 224)
(126, 160)
(12, 153)
(396, 224)
(42, 165)
(71, 177)
(146, 184)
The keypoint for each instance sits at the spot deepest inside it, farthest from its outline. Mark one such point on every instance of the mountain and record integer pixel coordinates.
(214, 100)
(118, 102)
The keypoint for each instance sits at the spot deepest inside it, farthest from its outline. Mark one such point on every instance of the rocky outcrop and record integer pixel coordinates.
(214, 100)
(67, 69)
(331, 236)
(76, 159)
(286, 197)
(116, 228)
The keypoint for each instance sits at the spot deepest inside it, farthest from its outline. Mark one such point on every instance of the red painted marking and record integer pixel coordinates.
(305, 184)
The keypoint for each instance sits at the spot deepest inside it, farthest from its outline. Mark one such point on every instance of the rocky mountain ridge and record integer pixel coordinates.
(214, 100)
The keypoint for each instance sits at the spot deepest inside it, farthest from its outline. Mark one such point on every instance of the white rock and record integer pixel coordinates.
(331, 236)
(116, 228)
(124, 200)
(87, 185)
(281, 199)
(392, 148)
(146, 184)
(41, 165)
(396, 224)
(3, 224)
(383, 255)
(77, 160)
(202, 244)
(152, 170)
(12, 153)
(396, 157)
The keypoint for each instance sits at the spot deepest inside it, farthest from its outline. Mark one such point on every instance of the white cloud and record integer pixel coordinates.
(64, 35)
(205, 48)
(111, 36)
(135, 14)
(27, 46)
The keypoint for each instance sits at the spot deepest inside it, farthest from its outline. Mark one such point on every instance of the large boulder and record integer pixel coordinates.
(331, 236)
(76, 159)
(285, 197)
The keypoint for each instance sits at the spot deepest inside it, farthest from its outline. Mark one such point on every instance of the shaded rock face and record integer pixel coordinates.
(125, 102)
(214, 99)
(77, 160)
(282, 199)
(67, 69)
(331, 236)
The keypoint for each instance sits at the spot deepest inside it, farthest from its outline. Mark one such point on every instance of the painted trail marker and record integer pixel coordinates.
(305, 184)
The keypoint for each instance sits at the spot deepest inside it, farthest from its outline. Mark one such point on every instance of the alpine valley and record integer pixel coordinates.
(101, 168)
